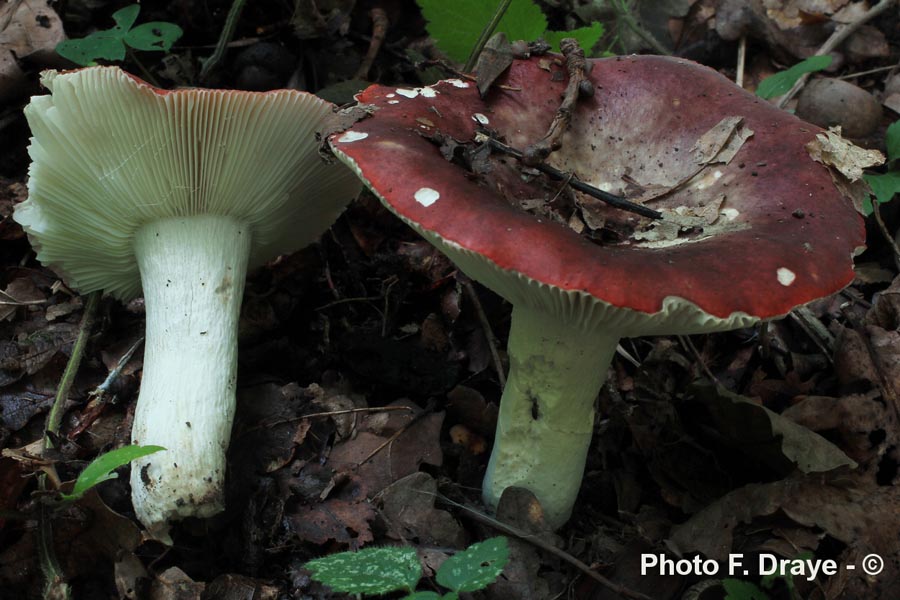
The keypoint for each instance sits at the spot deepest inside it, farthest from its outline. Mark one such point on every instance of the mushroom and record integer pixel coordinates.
(176, 193)
(752, 227)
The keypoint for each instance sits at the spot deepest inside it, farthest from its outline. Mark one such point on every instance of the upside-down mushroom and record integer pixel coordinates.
(176, 193)
(752, 227)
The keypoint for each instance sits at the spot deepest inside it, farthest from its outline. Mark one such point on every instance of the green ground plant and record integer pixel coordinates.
(885, 185)
(104, 466)
(456, 26)
(110, 44)
(389, 569)
(781, 83)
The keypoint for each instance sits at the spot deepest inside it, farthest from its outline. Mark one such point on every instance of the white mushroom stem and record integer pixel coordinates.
(546, 415)
(192, 271)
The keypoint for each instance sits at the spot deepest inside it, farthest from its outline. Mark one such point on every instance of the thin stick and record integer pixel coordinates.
(54, 417)
(380, 24)
(231, 21)
(876, 210)
(534, 540)
(836, 39)
(486, 34)
(611, 199)
(56, 586)
(488, 331)
(741, 61)
(577, 86)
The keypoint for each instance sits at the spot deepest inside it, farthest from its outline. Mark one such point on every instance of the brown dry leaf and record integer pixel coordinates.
(239, 587)
(407, 506)
(175, 584)
(130, 576)
(270, 426)
(832, 150)
(728, 135)
(11, 193)
(794, 13)
(379, 457)
(27, 28)
(344, 518)
(856, 418)
(863, 517)
(780, 443)
(20, 292)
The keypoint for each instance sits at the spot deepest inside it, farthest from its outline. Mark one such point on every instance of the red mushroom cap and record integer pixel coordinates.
(786, 237)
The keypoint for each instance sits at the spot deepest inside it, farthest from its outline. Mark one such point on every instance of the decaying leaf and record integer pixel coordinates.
(832, 150)
(722, 142)
(407, 506)
(777, 441)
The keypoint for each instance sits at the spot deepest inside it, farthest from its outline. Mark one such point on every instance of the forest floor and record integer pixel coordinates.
(370, 368)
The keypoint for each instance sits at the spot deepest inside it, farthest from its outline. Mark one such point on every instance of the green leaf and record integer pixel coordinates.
(369, 571)
(425, 596)
(742, 590)
(156, 35)
(124, 19)
(587, 36)
(103, 468)
(892, 140)
(86, 51)
(883, 186)
(455, 26)
(476, 567)
(781, 83)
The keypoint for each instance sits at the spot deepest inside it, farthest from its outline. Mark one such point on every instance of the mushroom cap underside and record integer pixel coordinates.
(777, 232)
(111, 153)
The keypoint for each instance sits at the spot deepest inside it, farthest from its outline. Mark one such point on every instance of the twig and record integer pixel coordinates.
(625, 15)
(611, 199)
(741, 61)
(689, 344)
(56, 587)
(380, 24)
(876, 210)
(231, 21)
(486, 34)
(815, 331)
(101, 390)
(488, 331)
(54, 417)
(578, 85)
(837, 38)
(534, 540)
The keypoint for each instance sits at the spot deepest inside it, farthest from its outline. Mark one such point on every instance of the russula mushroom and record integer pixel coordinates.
(176, 193)
(752, 228)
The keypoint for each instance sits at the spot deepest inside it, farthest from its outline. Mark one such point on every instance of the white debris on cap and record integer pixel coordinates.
(730, 213)
(427, 196)
(480, 118)
(353, 136)
(425, 92)
(457, 83)
(785, 276)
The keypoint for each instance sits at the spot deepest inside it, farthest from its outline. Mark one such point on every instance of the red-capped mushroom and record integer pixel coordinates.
(752, 228)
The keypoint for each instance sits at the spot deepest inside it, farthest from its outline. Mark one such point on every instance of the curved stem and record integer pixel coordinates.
(547, 410)
(192, 271)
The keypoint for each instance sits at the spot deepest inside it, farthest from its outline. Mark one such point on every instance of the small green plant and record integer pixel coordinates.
(109, 44)
(456, 26)
(885, 185)
(782, 82)
(737, 589)
(103, 468)
(395, 568)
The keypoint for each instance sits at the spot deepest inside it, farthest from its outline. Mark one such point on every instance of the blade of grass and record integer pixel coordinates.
(486, 34)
